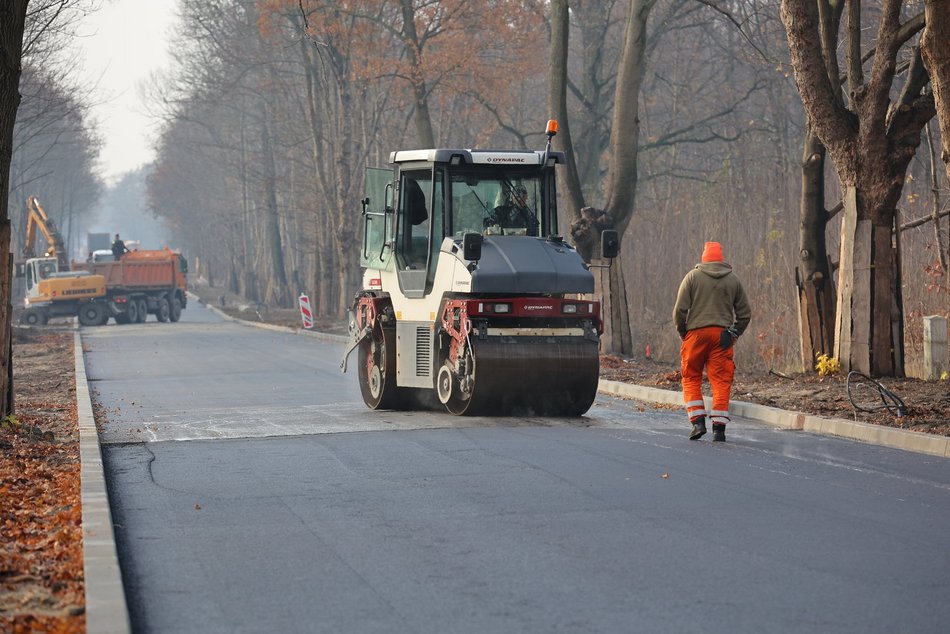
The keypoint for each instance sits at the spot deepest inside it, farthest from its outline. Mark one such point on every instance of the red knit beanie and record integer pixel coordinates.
(712, 252)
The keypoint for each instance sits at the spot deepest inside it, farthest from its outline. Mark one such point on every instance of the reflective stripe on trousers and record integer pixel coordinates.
(701, 349)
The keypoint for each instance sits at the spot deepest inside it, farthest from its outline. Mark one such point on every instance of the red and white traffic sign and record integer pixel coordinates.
(306, 316)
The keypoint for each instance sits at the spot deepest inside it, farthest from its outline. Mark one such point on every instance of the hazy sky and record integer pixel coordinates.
(119, 47)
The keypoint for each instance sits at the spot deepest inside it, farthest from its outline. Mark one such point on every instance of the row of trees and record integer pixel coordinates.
(682, 120)
(48, 147)
(276, 107)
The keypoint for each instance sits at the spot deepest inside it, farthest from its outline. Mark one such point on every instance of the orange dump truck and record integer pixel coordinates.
(140, 283)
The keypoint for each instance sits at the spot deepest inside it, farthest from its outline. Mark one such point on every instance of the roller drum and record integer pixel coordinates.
(547, 376)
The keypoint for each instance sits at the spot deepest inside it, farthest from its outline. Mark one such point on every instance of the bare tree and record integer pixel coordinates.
(12, 20)
(871, 144)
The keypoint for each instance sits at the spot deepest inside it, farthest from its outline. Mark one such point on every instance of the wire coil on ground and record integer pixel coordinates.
(889, 401)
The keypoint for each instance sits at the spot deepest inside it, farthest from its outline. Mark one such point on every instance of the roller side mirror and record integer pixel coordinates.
(472, 247)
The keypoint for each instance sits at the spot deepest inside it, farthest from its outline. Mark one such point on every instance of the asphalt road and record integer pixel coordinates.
(253, 492)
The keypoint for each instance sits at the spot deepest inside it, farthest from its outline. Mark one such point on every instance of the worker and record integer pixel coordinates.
(511, 209)
(118, 248)
(416, 202)
(711, 312)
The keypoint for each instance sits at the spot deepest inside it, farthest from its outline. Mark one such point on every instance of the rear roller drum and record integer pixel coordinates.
(377, 370)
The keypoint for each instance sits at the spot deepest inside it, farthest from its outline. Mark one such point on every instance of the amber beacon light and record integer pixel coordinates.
(551, 130)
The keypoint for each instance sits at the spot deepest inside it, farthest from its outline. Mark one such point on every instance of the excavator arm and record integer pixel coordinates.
(37, 220)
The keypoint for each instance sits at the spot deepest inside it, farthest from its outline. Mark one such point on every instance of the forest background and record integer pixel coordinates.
(274, 108)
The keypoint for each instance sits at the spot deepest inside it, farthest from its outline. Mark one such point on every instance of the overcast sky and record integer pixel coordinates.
(119, 47)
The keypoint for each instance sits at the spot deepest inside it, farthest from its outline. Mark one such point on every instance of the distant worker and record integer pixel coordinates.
(711, 312)
(118, 248)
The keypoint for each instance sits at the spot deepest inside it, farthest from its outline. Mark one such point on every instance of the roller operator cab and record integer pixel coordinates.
(470, 299)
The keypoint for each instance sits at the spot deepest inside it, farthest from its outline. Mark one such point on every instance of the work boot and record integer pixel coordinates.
(699, 428)
(719, 432)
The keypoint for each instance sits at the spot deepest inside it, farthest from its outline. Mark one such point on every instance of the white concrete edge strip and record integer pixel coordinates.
(106, 609)
(892, 437)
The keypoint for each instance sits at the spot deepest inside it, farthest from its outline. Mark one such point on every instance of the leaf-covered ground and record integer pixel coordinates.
(41, 565)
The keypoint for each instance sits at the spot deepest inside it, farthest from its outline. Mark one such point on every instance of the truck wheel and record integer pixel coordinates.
(163, 309)
(143, 310)
(175, 310)
(122, 318)
(132, 311)
(92, 314)
(34, 317)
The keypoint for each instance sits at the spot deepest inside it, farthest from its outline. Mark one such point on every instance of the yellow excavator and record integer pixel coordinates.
(51, 287)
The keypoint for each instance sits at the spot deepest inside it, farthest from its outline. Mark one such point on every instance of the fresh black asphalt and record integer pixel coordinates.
(610, 523)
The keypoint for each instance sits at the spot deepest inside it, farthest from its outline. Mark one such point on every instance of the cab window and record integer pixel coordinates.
(415, 190)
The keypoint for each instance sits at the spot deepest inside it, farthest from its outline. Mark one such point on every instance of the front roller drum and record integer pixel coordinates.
(541, 377)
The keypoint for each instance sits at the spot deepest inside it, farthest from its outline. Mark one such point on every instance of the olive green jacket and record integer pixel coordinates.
(711, 295)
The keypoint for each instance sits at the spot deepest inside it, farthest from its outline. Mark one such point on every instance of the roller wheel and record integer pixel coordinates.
(143, 310)
(456, 392)
(174, 313)
(525, 379)
(34, 317)
(92, 314)
(163, 310)
(377, 371)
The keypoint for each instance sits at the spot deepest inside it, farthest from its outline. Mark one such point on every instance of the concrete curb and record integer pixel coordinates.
(326, 336)
(106, 609)
(796, 421)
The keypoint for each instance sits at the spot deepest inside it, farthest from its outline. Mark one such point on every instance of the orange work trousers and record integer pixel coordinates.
(700, 350)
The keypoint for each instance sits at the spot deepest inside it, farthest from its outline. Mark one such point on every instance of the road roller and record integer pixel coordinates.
(471, 299)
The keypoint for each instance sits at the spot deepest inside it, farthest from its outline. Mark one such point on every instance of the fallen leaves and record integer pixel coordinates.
(41, 565)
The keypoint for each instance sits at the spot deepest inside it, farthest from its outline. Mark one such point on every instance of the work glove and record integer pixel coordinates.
(728, 337)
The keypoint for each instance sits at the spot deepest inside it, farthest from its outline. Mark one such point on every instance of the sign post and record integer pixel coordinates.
(306, 316)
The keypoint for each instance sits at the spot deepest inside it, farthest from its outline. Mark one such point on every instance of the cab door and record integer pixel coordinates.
(420, 211)
(378, 217)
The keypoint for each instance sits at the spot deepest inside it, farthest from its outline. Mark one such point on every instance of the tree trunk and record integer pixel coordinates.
(871, 146)
(936, 56)
(619, 335)
(623, 155)
(12, 21)
(816, 290)
(420, 93)
(569, 185)
(276, 292)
